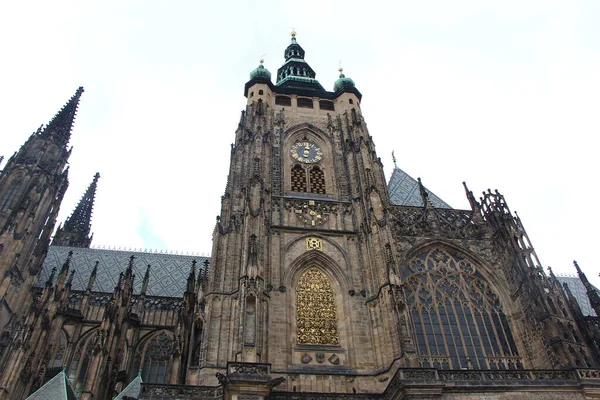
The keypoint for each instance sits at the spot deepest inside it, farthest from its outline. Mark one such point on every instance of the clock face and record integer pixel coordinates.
(306, 152)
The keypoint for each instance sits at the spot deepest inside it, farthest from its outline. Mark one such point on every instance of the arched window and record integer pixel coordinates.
(316, 319)
(456, 316)
(81, 359)
(58, 362)
(298, 179)
(10, 197)
(317, 180)
(156, 358)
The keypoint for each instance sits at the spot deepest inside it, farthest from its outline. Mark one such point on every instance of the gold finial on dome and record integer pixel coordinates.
(262, 58)
(293, 32)
(340, 69)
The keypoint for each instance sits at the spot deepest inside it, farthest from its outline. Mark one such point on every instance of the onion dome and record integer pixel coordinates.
(343, 84)
(261, 73)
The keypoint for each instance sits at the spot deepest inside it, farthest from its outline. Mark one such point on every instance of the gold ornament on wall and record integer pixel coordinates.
(316, 318)
(313, 243)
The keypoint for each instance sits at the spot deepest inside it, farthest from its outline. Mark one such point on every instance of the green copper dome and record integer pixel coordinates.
(343, 83)
(261, 73)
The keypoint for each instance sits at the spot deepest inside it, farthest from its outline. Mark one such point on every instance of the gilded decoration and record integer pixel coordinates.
(313, 243)
(316, 321)
(457, 318)
(310, 212)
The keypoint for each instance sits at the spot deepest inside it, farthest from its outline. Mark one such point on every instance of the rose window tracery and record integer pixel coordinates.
(457, 318)
(316, 321)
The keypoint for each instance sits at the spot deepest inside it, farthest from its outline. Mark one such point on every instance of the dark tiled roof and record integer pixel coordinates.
(168, 272)
(404, 191)
(578, 290)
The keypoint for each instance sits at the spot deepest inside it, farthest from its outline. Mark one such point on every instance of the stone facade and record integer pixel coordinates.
(319, 286)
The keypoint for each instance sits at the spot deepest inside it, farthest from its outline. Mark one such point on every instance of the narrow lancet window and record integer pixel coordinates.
(316, 321)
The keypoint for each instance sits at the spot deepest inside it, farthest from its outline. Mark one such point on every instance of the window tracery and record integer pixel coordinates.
(316, 318)
(456, 315)
(156, 358)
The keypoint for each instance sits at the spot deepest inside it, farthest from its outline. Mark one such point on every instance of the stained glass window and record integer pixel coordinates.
(316, 321)
(457, 318)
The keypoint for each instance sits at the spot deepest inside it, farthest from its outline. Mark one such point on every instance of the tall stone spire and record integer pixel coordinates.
(590, 290)
(76, 231)
(60, 126)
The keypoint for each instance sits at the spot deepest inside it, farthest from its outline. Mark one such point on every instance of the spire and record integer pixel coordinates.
(191, 281)
(93, 277)
(424, 195)
(62, 275)
(76, 231)
(145, 281)
(60, 126)
(591, 292)
(50, 279)
(70, 280)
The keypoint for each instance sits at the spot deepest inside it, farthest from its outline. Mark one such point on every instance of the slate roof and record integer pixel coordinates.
(168, 272)
(132, 391)
(578, 290)
(57, 388)
(404, 191)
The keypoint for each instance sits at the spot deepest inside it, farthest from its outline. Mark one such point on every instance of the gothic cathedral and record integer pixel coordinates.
(325, 281)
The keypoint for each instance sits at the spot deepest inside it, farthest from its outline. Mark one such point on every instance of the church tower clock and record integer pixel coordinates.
(302, 243)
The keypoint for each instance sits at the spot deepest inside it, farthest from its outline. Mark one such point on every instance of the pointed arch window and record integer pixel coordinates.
(457, 318)
(316, 319)
(317, 180)
(156, 358)
(11, 196)
(58, 360)
(298, 179)
(78, 368)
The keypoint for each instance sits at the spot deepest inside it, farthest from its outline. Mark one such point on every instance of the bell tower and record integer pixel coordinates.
(302, 241)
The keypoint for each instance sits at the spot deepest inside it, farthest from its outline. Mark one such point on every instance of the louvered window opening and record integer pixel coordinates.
(317, 181)
(298, 179)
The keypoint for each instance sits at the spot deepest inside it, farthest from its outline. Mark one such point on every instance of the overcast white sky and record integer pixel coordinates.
(503, 95)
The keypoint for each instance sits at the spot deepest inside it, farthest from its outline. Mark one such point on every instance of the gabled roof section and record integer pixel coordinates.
(168, 273)
(57, 388)
(404, 191)
(579, 292)
(133, 390)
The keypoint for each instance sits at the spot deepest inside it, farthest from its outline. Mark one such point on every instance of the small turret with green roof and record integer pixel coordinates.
(261, 73)
(343, 83)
